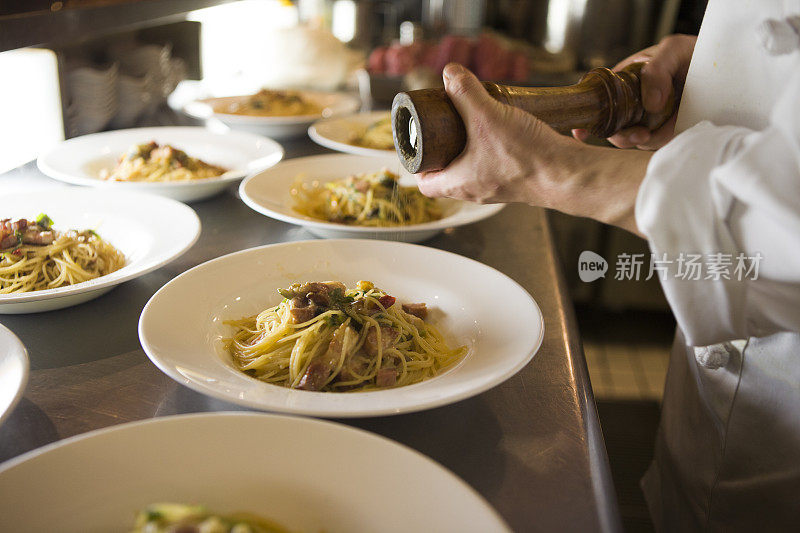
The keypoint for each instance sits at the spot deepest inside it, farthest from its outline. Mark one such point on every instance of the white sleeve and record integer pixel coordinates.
(732, 191)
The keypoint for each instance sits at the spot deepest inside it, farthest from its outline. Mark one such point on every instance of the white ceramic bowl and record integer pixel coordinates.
(307, 475)
(269, 193)
(13, 371)
(333, 104)
(80, 160)
(337, 133)
(181, 328)
(150, 231)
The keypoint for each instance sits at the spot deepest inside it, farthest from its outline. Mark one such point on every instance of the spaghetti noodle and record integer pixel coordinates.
(378, 135)
(374, 199)
(324, 337)
(34, 257)
(151, 162)
(268, 103)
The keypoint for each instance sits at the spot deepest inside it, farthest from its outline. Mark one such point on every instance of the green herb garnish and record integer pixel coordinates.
(44, 221)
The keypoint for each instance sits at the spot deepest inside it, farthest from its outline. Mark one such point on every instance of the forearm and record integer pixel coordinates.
(594, 182)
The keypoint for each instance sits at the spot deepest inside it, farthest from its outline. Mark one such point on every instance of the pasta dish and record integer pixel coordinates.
(181, 518)
(154, 162)
(268, 103)
(34, 256)
(325, 337)
(375, 199)
(378, 135)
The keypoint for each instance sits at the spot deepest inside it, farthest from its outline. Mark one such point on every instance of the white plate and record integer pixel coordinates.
(181, 328)
(307, 475)
(80, 160)
(150, 231)
(13, 371)
(333, 104)
(269, 194)
(337, 133)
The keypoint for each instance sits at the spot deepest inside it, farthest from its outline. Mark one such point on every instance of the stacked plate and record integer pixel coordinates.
(148, 73)
(134, 97)
(150, 63)
(93, 98)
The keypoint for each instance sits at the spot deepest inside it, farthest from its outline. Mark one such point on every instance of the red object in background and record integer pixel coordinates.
(430, 58)
(520, 66)
(491, 60)
(489, 57)
(377, 60)
(453, 49)
(399, 60)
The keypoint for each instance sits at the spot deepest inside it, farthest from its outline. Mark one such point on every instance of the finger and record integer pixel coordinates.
(640, 56)
(668, 65)
(466, 92)
(580, 134)
(430, 184)
(661, 136)
(630, 137)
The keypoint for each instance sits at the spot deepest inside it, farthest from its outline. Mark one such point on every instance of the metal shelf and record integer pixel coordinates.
(69, 25)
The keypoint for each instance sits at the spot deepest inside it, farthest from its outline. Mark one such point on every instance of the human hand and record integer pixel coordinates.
(511, 156)
(666, 69)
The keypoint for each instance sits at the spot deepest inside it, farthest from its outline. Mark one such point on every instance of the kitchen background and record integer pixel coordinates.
(82, 66)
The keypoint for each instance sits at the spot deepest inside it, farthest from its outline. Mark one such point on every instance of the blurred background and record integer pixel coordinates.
(76, 67)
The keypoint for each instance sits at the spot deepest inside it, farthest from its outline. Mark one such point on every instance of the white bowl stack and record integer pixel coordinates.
(93, 98)
(134, 97)
(135, 84)
(151, 65)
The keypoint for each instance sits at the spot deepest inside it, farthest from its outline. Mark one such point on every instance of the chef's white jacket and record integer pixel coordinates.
(728, 186)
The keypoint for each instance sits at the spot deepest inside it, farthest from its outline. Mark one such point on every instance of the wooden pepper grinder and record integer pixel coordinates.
(429, 133)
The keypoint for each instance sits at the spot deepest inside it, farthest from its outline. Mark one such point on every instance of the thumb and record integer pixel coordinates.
(465, 91)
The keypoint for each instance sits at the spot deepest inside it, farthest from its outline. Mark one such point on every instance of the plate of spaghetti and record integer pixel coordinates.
(182, 163)
(64, 246)
(360, 134)
(341, 328)
(277, 113)
(209, 472)
(352, 196)
(14, 367)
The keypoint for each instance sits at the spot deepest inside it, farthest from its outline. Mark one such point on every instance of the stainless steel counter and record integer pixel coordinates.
(531, 446)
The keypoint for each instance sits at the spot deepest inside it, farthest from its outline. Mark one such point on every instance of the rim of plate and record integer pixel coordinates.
(175, 207)
(361, 119)
(21, 354)
(43, 162)
(466, 213)
(319, 406)
(345, 103)
(248, 418)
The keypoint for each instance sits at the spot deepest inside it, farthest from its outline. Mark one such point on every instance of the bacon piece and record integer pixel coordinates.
(387, 301)
(302, 310)
(418, 310)
(315, 291)
(386, 377)
(388, 336)
(39, 238)
(321, 368)
(7, 240)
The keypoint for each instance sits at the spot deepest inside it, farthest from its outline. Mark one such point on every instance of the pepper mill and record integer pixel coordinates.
(428, 131)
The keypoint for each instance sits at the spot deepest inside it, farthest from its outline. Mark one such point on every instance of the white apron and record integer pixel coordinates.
(728, 451)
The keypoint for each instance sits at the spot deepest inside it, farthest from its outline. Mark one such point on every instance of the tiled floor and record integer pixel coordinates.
(627, 353)
(622, 371)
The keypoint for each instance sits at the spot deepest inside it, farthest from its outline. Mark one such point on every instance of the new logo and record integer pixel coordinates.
(591, 266)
